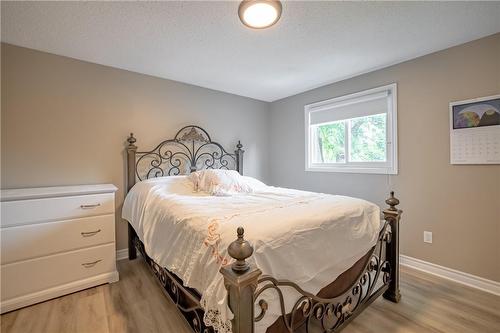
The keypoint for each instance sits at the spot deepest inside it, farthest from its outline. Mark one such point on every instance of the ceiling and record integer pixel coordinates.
(203, 43)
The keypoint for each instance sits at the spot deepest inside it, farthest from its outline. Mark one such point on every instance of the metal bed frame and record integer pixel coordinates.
(192, 149)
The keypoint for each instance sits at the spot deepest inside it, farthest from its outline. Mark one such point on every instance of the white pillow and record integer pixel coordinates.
(219, 182)
(254, 183)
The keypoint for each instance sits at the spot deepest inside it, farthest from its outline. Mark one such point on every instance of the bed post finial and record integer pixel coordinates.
(241, 280)
(239, 157)
(392, 202)
(392, 216)
(131, 140)
(240, 250)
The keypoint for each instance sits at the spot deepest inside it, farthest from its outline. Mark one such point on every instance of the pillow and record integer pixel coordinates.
(219, 182)
(254, 183)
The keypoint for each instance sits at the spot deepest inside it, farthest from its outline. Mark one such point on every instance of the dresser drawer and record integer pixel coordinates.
(37, 240)
(61, 208)
(25, 277)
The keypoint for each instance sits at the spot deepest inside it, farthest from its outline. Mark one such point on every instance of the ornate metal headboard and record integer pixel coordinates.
(191, 149)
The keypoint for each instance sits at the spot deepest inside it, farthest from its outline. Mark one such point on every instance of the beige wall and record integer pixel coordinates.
(459, 204)
(65, 121)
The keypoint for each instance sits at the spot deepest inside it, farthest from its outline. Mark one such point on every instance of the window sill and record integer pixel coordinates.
(350, 169)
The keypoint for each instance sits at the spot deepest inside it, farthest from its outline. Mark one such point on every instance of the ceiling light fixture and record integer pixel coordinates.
(259, 14)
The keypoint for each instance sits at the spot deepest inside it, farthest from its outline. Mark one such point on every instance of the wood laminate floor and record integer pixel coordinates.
(136, 304)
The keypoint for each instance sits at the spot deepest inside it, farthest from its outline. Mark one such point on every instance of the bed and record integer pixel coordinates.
(300, 260)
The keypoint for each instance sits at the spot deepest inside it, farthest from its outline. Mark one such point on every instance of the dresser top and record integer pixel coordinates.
(55, 191)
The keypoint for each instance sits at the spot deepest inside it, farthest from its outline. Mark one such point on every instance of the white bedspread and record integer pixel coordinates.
(309, 238)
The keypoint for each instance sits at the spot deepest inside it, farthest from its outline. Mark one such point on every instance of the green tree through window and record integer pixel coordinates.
(331, 141)
(368, 138)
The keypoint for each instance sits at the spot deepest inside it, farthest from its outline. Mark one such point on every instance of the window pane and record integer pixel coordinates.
(329, 143)
(368, 138)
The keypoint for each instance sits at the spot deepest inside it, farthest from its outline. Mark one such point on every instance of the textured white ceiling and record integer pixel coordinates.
(203, 43)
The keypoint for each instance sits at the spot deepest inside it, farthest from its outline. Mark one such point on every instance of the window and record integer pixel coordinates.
(353, 133)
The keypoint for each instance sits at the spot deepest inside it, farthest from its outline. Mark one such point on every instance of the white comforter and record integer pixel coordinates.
(309, 238)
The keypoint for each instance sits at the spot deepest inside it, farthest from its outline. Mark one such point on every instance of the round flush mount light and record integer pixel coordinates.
(259, 14)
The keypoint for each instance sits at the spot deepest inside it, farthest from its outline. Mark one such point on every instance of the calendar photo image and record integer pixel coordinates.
(475, 131)
(477, 114)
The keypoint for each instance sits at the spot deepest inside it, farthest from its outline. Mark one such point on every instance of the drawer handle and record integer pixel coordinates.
(90, 206)
(90, 233)
(91, 264)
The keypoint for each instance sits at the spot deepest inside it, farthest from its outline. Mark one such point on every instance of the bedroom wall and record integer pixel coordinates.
(65, 121)
(459, 204)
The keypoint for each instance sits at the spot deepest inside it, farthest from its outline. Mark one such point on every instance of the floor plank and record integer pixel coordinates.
(136, 304)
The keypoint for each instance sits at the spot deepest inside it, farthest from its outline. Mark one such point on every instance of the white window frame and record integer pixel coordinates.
(388, 167)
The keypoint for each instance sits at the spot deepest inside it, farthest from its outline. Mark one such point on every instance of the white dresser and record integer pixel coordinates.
(55, 241)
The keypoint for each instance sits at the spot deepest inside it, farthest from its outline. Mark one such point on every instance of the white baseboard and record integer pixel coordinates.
(40, 296)
(467, 279)
(122, 254)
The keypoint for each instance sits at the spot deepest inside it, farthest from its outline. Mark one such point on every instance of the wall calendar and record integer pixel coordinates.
(475, 131)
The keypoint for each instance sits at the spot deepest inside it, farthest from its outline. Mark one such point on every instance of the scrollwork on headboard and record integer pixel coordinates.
(191, 149)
